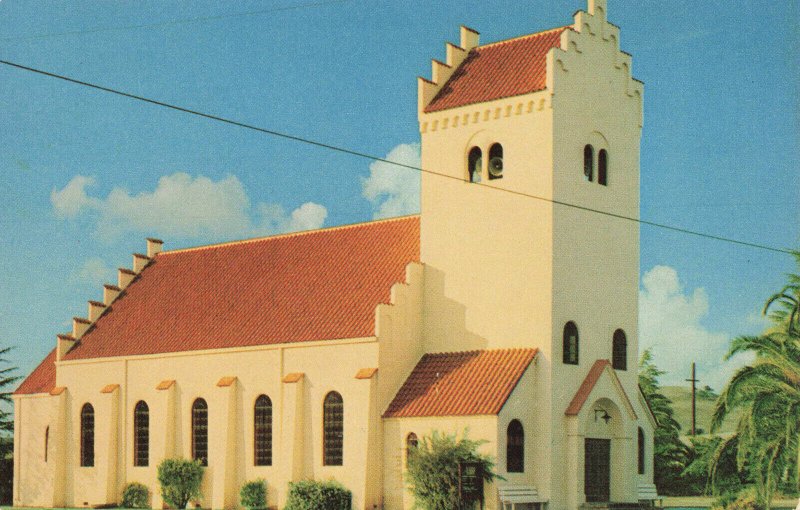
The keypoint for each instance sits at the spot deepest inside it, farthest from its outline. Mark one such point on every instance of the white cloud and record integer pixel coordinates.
(94, 271)
(69, 201)
(394, 190)
(182, 206)
(670, 323)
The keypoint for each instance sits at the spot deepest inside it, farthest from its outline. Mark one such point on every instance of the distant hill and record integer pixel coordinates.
(681, 398)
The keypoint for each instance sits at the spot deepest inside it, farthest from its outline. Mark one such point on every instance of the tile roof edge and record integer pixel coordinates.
(516, 383)
(525, 36)
(287, 234)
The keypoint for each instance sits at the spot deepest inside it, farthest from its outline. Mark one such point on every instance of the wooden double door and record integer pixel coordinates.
(597, 470)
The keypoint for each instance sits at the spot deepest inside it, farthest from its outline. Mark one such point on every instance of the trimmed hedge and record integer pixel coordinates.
(313, 495)
(135, 495)
(254, 494)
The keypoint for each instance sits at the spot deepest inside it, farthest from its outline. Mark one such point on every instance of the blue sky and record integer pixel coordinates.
(85, 176)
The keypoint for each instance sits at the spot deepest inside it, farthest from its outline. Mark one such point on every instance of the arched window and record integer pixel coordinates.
(475, 164)
(262, 425)
(496, 161)
(87, 435)
(571, 343)
(619, 351)
(588, 162)
(333, 429)
(641, 451)
(141, 434)
(602, 167)
(46, 441)
(515, 447)
(200, 431)
(411, 442)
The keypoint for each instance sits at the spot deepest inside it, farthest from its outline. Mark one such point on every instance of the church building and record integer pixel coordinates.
(506, 310)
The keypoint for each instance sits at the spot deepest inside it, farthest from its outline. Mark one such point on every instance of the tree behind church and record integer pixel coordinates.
(7, 380)
(671, 455)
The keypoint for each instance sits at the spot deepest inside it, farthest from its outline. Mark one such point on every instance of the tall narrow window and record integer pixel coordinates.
(588, 162)
(641, 451)
(411, 442)
(619, 351)
(333, 428)
(46, 441)
(571, 343)
(496, 161)
(262, 425)
(141, 434)
(602, 167)
(200, 431)
(515, 447)
(87, 435)
(475, 164)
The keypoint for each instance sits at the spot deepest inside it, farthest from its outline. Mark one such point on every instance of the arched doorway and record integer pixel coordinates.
(603, 462)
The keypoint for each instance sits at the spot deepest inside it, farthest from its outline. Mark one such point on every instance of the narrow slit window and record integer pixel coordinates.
(87, 435)
(571, 343)
(141, 434)
(263, 431)
(46, 441)
(641, 451)
(515, 447)
(588, 162)
(475, 164)
(602, 167)
(619, 351)
(333, 430)
(200, 431)
(411, 442)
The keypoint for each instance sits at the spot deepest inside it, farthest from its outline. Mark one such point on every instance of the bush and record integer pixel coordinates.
(180, 481)
(433, 469)
(747, 500)
(254, 494)
(312, 495)
(135, 495)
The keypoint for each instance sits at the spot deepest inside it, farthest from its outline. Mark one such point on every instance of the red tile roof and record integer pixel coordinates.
(588, 384)
(317, 285)
(461, 383)
(502, 69)
(42, 379)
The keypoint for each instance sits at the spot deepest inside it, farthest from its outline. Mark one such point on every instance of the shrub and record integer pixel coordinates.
(180, 481)
(433, 469)
(135, 495)
(747, 500)
(312, 495)
(254, 494)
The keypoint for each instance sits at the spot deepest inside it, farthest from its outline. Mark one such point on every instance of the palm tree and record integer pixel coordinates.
(768, 394)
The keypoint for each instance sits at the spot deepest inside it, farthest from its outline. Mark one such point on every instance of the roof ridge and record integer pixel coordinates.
(526, 36)
(285, 235)
(472, 351)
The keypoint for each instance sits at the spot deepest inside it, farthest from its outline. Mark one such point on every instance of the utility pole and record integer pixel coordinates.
(694, 382)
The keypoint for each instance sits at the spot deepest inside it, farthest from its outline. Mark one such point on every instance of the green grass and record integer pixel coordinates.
(703, 501)
(681, 398)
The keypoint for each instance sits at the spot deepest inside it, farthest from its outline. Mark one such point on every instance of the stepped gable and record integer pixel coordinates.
(460, 383)
(498, 70)
(307, 286)
(42, 379)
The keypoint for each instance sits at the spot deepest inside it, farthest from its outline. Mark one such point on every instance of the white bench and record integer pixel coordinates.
(513, 494)
(648, 492)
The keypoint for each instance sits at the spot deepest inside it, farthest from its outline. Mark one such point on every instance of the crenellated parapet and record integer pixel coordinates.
(111, 292)
(591, 29)
(441, 71)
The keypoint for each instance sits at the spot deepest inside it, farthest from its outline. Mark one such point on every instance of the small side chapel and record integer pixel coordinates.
(500, 309)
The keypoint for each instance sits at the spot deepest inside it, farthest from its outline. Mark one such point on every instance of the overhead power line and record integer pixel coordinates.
(364, 155)
(173, 22)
